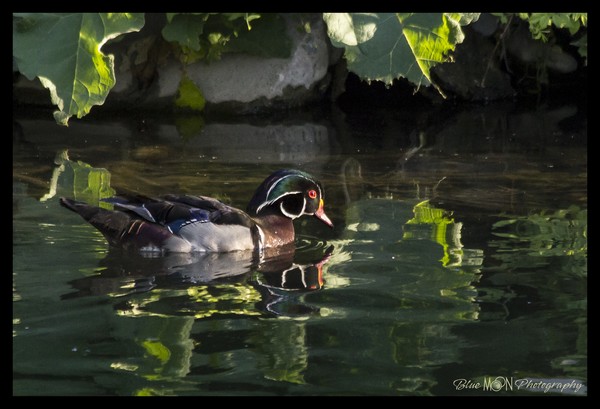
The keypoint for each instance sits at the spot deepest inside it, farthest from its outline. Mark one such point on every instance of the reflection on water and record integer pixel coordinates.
(459, 252)
(555, 244)
(205, 282)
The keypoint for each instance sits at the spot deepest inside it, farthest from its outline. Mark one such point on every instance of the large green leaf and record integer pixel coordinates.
(386, 46)
(64, 52)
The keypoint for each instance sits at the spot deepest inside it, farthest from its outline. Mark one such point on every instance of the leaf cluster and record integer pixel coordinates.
(64, 51)
(541, 26)
(206, 36)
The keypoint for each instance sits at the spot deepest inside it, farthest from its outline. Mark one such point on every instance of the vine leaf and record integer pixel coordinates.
(386, 46)
(64, 52)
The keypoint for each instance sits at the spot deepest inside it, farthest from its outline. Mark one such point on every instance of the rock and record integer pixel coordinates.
(240, 82)
(247, 79)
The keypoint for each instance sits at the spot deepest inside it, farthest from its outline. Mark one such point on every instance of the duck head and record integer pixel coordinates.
(291, 192)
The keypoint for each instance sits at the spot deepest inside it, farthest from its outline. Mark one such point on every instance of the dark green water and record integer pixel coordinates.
(457, 265)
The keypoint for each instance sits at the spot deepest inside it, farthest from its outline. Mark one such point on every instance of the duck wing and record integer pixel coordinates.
(175, 211)
(213, 225)
(169, 213)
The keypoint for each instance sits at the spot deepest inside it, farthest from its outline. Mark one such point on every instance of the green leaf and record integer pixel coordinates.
(199, 35)
(189, 96)
(249, 17)
(539, 23)
(158, 350)
(563, 20)
(64, 52)
(79, 180)
(386, 46)
(442, 227)
(92, 184)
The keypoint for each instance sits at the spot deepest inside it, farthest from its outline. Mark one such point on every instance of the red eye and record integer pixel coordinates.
(312, 194)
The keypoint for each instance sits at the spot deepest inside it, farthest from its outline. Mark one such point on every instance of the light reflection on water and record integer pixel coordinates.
(432, 273)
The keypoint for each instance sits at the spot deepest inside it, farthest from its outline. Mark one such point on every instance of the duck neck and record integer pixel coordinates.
(278, 229)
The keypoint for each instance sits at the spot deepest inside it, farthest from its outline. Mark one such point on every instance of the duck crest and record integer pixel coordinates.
(281, 183)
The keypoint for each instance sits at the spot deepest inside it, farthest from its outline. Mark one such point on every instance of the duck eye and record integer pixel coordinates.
(312, 194)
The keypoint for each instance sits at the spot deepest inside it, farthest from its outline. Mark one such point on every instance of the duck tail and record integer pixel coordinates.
(111, 224)
(83, 209)
(126, 229)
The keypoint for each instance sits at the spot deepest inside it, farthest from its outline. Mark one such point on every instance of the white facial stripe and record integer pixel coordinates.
(276, 199)
(283, 278)
(303, 277)
(287, 176)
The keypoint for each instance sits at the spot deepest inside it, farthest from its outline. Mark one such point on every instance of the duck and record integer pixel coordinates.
(187, 223)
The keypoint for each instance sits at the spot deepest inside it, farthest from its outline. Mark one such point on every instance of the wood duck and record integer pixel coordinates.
(188, 223)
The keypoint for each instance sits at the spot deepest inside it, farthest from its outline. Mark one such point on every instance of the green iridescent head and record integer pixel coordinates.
(293, 192)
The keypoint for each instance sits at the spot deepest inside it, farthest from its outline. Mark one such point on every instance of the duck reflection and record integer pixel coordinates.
(278, 285)
(279, 277)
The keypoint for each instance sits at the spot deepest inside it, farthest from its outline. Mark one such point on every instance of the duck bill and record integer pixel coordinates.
(320, 214)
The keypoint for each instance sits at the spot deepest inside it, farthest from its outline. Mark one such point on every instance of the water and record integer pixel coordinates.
(457, 265)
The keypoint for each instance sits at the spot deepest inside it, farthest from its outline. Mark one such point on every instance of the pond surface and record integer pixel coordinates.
(457, 265)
